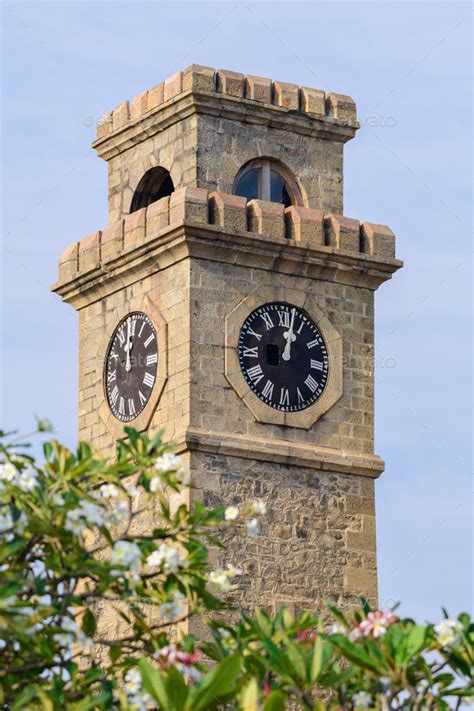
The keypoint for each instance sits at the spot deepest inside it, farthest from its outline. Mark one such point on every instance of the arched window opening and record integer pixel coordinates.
(267, 180)
(155, 184)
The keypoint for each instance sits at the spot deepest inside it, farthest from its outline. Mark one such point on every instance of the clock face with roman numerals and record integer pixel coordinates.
(283, 357)
(131, 366)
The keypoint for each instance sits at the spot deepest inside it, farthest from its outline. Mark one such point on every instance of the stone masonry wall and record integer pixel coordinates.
(315, 163)
(317, 540)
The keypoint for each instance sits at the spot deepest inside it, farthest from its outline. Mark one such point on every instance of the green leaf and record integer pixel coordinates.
(275, 701)
(114, 652)
(217, 682)
(88, 623)
(154, 683)
(249, 698)
(176, 688)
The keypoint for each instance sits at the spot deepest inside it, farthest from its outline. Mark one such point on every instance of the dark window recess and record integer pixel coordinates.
(155, 184)
(264, 179)
(272, 354)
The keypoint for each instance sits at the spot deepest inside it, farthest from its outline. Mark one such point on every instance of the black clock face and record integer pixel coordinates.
(283, 357)
(131, 365)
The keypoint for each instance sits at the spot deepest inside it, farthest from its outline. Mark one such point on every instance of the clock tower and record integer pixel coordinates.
(230, 302)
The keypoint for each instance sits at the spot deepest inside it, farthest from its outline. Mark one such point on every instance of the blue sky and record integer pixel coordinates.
(407, 65)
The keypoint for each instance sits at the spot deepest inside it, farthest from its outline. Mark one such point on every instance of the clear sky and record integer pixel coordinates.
(407, 65)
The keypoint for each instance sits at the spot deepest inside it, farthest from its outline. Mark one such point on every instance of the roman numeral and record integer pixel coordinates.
(255, 374)
(316, 364)
(148, 379)
(131, 406)
(257, 335)
(153, 358)
(111, 376)
(300, 328)
(268, 390)
(311, 383)
(251, 352)
(114, 395)
(300, 397)
(142, 397)
(133, 325)
(141, 329)
(121, 336)
(149, 340)
(267, 320)
(311, 344)
(113, 355)
(284, 396)
(284, 319)
(121, 407)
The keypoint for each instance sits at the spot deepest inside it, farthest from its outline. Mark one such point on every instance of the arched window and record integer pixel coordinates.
(155, 184)
(267, 180)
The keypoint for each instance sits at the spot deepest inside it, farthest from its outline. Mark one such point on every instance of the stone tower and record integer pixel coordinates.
(227, 246)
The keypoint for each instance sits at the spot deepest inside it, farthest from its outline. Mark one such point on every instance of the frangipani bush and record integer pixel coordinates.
(71, 543)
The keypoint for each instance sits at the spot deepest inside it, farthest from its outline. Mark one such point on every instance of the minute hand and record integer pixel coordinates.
(290, 337)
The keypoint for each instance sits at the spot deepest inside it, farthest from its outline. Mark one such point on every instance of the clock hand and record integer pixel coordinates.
(128, 348)
(290, 337)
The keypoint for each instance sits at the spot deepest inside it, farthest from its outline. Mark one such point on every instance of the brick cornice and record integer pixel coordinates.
(280, 451)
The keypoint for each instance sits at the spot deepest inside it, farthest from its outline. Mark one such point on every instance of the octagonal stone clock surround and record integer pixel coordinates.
(141, 423)
(332, 338)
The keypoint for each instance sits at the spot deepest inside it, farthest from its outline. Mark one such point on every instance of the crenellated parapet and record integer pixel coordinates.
(253, 98)
(222, 221)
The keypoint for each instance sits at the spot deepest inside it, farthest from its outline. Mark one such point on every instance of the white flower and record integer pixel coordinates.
(362, 699)
(8, 472)
(170, 463)
(155, 484)
(448, 631)
(119, 511)
(58, 499)
(174, 608)
(222, 578)
(168, 558)
(6, 520)
(27, 479)
(85, 515)
(259, 507)
(109, 491)
(253, 527)
(231, 513)
(133, 682)
(337, 628)
(131, 489)
(127, 554)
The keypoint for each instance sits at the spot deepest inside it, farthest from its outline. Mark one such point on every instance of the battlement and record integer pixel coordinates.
(335, 113)
(246, 224)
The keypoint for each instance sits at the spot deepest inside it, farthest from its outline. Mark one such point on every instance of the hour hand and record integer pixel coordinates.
(128, 347)
(290, 337)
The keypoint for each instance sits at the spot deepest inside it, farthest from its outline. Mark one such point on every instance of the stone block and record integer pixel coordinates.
(198, 78)
(342, 233)
(138, 105)
(134, 228)
(341, 107)
(155, 96)
(89, 252)
(173, 86)
(304, 225)
(258, 89)
(157, 217)
(266, 218)
(112, 241)
(313, 101)
(285, 94)
(229, 211)
(120, 115)
(231, 83)
(69, 262)
(377, 240)
(104, 125)
(358, 580)
(189, 204)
